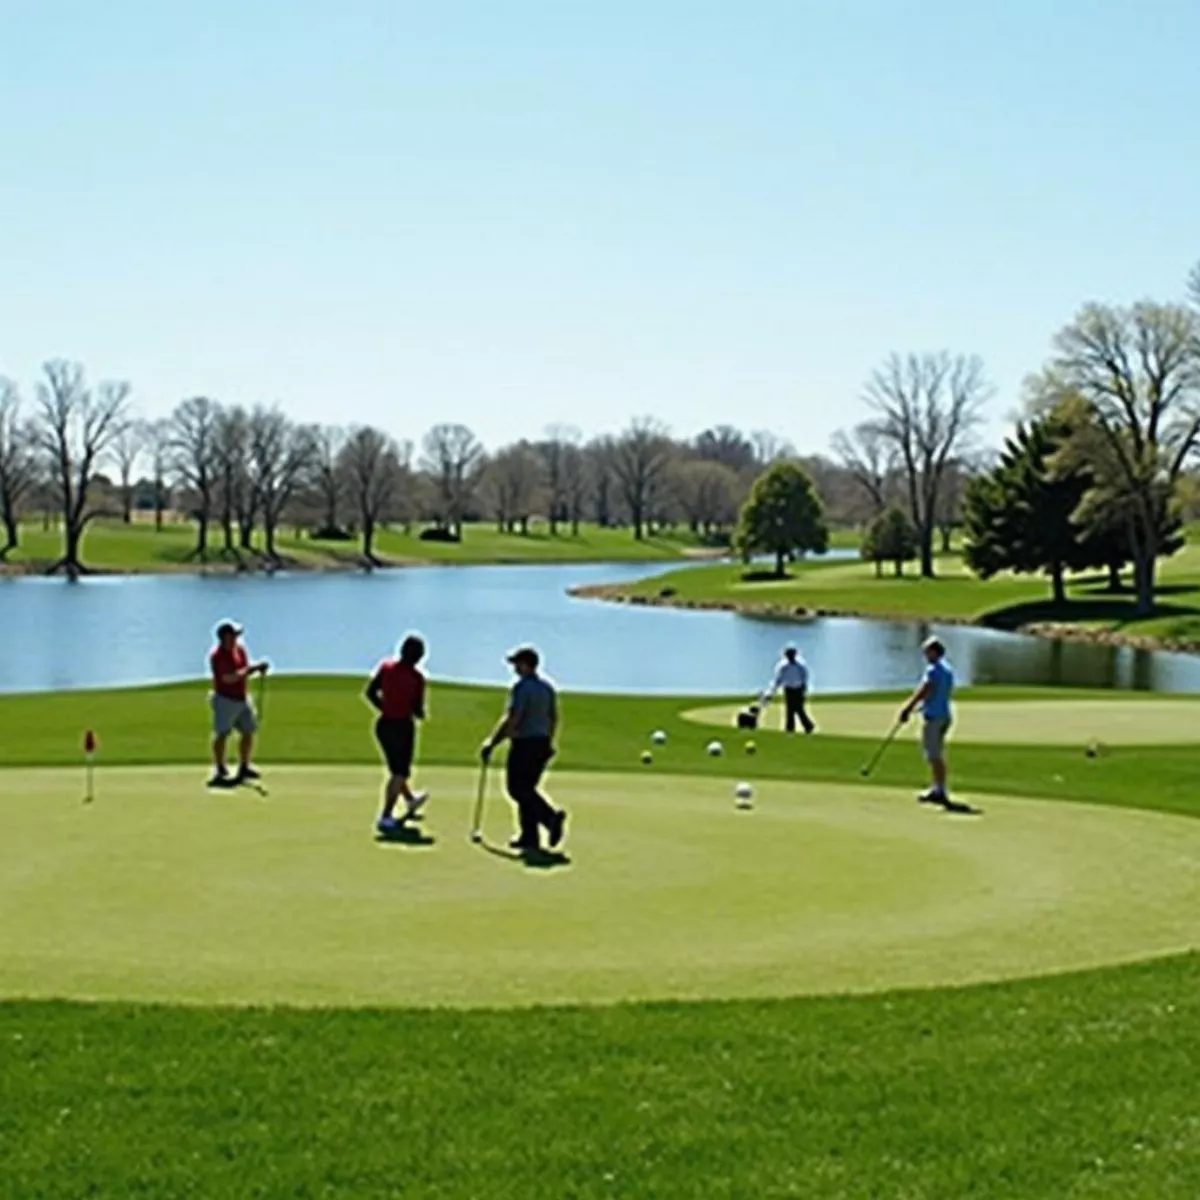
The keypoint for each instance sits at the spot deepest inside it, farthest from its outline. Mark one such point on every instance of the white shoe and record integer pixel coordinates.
(415, 805)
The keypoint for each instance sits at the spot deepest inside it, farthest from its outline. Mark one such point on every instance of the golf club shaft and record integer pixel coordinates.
(477, 819)
(882, 748)
(262, 696)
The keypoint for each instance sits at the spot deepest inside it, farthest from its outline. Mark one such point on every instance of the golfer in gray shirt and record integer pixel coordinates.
(530, 723)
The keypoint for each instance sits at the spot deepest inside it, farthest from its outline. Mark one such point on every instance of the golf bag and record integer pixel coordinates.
(748, 717)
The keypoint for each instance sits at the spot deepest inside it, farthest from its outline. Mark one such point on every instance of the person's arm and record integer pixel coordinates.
(500, 734)
(553, 716)
(918, 697)
(374, 693)
(419, 707)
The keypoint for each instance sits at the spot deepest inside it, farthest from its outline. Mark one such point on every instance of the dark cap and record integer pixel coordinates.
(527, 655)
(227, 627)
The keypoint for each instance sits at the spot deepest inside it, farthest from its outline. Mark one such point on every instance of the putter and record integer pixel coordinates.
(480, 796)
(881, 750)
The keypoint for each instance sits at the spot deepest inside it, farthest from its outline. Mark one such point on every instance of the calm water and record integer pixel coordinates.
(126, 630)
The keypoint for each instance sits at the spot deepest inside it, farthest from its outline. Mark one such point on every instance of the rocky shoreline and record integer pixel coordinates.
(1054, 631)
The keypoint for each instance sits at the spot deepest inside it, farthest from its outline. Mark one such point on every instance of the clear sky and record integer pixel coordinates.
(514, 213)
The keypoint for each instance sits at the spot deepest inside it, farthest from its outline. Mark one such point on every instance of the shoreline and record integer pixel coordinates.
(1048, 630)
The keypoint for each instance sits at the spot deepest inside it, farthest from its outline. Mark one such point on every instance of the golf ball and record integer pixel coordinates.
(477, 837)
(744, 794)
(647, 758)
(658, 737)
(715, 749)
(751, 748)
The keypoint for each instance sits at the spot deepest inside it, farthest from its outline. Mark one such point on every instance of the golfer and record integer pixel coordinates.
(397, 692)
(933, 697)
(230, 666)
(791, 675)
(530, 723)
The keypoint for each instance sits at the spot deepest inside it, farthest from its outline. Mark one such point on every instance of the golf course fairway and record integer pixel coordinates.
(163, 891)
(1124, 721)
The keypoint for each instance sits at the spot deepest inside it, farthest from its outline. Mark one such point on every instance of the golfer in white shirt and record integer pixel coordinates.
(792, 677)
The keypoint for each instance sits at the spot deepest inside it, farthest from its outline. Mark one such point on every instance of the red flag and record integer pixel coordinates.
(89, 742)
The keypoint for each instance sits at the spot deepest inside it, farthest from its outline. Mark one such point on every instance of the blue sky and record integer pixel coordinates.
(512, 214)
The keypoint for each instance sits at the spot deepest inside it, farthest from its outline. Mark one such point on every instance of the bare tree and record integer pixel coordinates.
(156, 437)
(927, 406)
(555, 453)
(328, 479)
(707, 492)
(510, 484)
(193, 441)
(728, 446)
(1138, 370)
(452, 456)
(869, 455)
(76, 428)
(640, 458)
(770, 447)
(370, 465)
(598, 458)
(238, 498)
(280, 458)
(18, 464)
(127, 447)
(575, 485)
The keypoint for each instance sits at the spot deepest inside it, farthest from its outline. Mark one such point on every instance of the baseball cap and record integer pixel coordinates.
(228, 626)
(525, 654)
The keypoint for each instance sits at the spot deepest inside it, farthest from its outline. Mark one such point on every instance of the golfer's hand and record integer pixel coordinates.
(905, 714)
(263, 667)
(485, 752)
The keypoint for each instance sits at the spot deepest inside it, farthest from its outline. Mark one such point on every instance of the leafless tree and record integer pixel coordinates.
(728, 446)
(329, 441)
(1138, 370)
(707, 492)
(127, 447)
(599, 457)
(555, 454)
(640, 458)
(575, 485)
(452, 456)
(370, 466)
(18, 464)
(770, 447)
(75, 429)
(156, 437)
(927, 406)
(237, 498)
(510, 485)
(870, 457)
(280, 459)
(193, 442)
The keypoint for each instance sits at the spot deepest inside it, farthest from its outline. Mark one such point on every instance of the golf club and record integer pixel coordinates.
(881, 750)
(480, 796)
(89, 759)
(262, 696)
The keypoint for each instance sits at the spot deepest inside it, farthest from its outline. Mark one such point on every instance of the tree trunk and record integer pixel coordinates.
(1114, 577)
(368, 538)
(927, 571)
(899, 567)
(73, 538)
(158, 507)
(780, 557)
(269, 536)
(1057, 585)
(947, 538)
(1143, 576)
(126, 504)
(637, 525)
(879, 568)
(574, 526)
(202, 534)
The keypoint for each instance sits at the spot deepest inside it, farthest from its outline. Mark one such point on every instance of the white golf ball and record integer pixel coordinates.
(658, 737)
(744, 792)
(715, 749)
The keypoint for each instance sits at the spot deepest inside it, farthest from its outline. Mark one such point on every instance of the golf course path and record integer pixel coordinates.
(1118, 722)
(161, 890)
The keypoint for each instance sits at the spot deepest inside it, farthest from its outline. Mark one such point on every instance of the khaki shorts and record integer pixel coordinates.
(933, 738)
(229, 715)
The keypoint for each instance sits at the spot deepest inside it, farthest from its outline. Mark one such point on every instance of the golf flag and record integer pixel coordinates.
(89, 755)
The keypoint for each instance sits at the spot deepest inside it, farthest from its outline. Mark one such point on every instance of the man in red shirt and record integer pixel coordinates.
(230, 667)
(397, 692)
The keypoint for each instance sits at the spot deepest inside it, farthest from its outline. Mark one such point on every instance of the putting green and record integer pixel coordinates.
(163, 891)
(1116, 722)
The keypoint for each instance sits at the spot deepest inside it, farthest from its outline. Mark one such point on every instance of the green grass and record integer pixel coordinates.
(112, 546)
(1006, 601)
(1075, 1086)
(665, 890)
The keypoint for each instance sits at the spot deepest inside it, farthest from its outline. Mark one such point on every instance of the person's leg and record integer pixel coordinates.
(519, 776)
(933, 738)
(219, 743)
(247, 726)
(802, 712)
(222, 726)
(543, 812)
(789, 708)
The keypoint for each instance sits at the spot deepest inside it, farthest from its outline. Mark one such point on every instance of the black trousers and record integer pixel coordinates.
(527, 762)
(794, 700)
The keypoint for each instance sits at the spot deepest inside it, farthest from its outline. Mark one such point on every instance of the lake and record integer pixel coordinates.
(111, 630)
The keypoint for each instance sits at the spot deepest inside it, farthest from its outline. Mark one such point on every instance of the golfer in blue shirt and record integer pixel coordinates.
(933, 698)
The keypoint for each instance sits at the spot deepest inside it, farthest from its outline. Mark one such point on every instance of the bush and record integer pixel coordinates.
(331, 533)
(437, 534)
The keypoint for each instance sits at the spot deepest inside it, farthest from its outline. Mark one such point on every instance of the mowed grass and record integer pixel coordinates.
(1006, 601)
(110, 545)
(1074, 1086)
(664, 890)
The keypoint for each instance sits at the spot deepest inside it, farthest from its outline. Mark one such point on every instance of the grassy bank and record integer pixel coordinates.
(1005, 602)
(138, 547)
